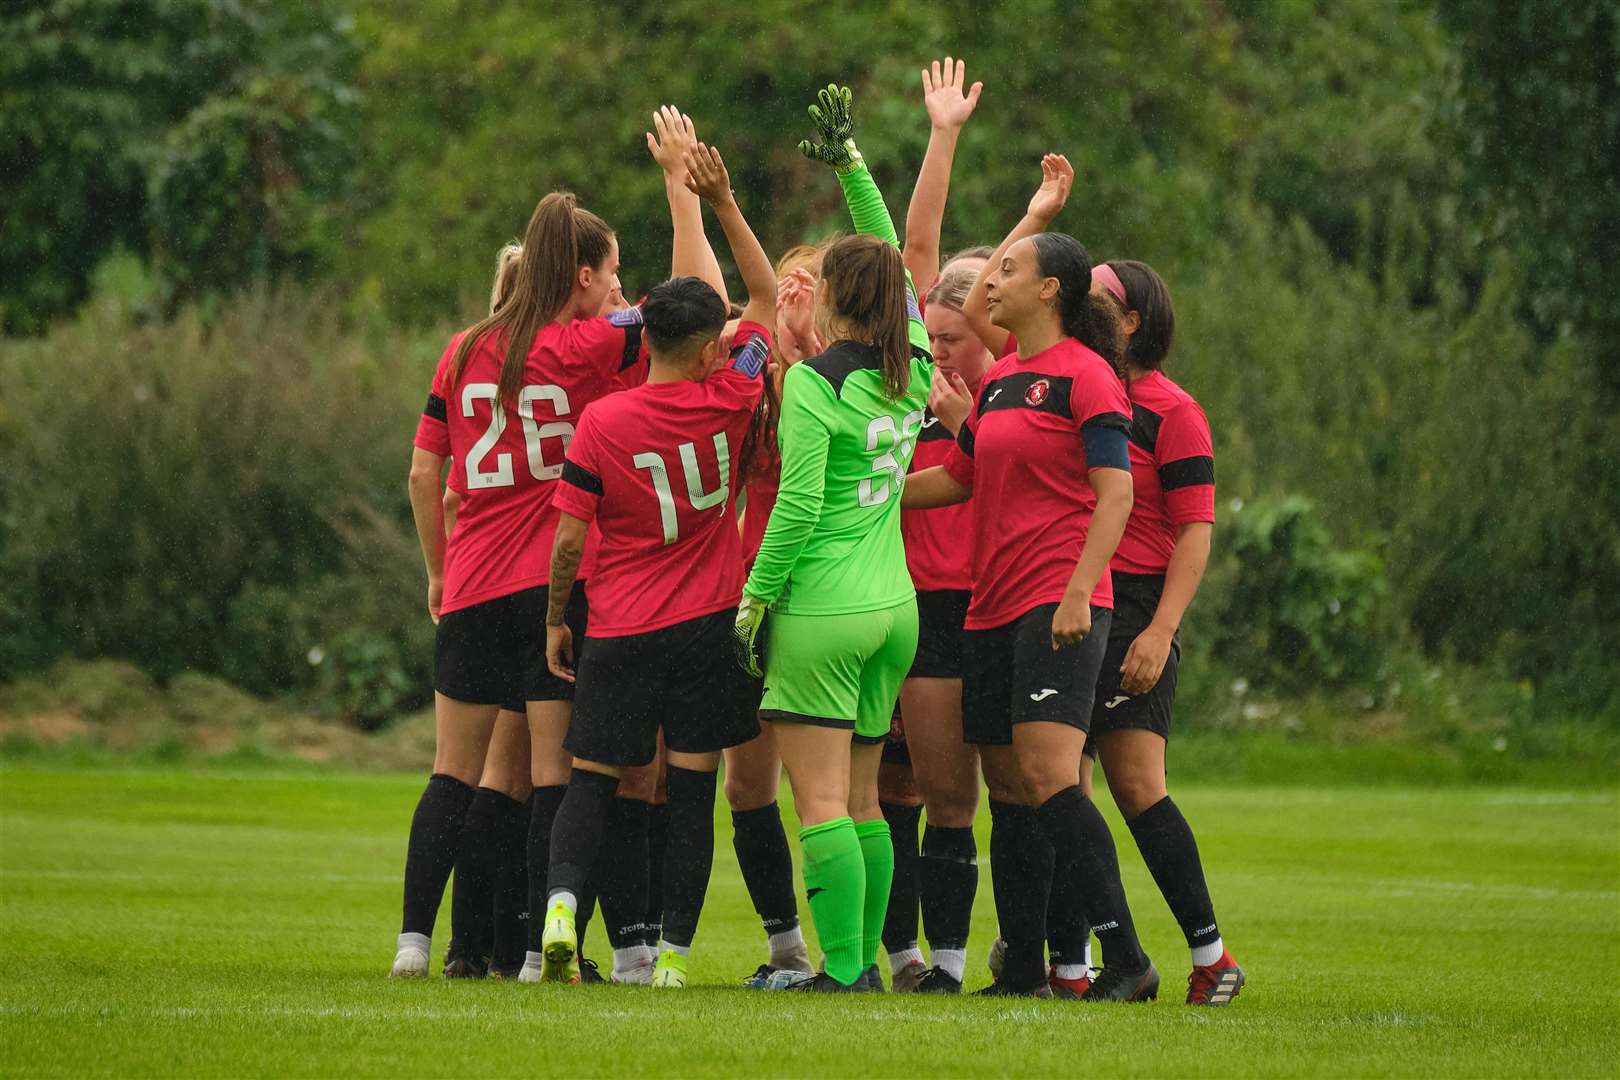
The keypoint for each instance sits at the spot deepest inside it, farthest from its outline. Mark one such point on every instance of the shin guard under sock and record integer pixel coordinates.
(621, 877)
(576, 835)
(767, 865)
(947, 880)
(543, 806)
(899, 928)
(835, 887)
(877, 852)
(689, 855)
(511, 881)
(472, 892)
(431, 852)
(1080, 836)
(1167, 845)
(1021, 876)
(657, 840)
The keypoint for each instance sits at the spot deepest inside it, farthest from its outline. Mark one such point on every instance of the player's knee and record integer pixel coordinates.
(551, 769)
(747, 789)
(1134, 792)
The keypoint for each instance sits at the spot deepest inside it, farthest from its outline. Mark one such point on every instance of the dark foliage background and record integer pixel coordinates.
(237, 233)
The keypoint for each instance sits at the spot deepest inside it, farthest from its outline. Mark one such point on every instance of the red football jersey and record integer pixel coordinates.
(506, 462)
(1023, 452)
(1173, 470)
(656, 469)
(761, 489)
(939, 542)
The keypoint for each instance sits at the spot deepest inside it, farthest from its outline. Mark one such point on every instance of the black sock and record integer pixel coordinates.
(542, 813)
(431, 851)
(689, 854)
(585, 911)
(767, 865)
(511, 881)
(1068, 930)
(900, 924)
(576, 835)
(472, 895)
(947, 879)
(657, 840)
(1167, 845)
(622, 873)
(1081, 840)
(1021, 875)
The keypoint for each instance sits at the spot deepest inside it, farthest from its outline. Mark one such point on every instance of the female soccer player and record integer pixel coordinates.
(502, 406)
(1049, 423)
(654, 468)
(945, 874)
(831, 568)
(939, 553)
(1156, 573)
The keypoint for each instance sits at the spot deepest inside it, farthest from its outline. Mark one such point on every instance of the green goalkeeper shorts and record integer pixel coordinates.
(839, 671)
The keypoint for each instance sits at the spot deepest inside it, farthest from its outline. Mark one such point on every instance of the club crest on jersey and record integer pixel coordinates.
(630, 316)
(1037, 392)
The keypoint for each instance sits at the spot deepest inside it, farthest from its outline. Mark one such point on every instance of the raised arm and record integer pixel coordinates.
(690, 255)
(835, 126)
(1057, 177)
(948, 110)
(706, 176)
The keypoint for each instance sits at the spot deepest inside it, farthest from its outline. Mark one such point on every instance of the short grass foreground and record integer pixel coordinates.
(224, 925)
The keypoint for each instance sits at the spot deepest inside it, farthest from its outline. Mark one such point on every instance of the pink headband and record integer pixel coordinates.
(1103, 274)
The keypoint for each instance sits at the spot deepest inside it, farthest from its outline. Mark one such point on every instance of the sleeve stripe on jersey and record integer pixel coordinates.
(1112, 421)
(750, 358)
(964, 440)
(1106, 447)
(581, 478)
(1188, 472)
(435, 409)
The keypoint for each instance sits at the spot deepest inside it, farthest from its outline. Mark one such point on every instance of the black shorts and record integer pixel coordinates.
(683, 679)
(1011, 674)
(1136, 598)
(494, 653)
(939, 634)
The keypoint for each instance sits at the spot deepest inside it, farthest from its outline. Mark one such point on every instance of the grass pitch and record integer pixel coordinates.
(203, 923)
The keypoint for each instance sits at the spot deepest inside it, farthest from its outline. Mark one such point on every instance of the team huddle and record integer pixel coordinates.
(891, 541)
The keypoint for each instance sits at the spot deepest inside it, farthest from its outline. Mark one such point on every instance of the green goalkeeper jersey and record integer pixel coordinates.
(833, 545)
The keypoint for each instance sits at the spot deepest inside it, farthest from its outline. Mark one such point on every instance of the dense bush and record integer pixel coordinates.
(224, 496)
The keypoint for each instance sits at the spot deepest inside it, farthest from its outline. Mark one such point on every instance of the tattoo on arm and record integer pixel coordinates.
(564, 566)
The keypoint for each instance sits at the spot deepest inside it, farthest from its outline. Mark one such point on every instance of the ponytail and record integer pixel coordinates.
(866, 287)
(759, 446)
(561, 238)
(1084, 318)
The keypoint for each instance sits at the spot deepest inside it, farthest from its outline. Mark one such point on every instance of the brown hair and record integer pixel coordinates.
(561, 238)
(953, 286)
(977, 251)
(1148, 296)
(866, 287)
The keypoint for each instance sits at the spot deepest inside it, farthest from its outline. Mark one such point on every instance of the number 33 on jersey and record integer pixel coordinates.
(833, 544)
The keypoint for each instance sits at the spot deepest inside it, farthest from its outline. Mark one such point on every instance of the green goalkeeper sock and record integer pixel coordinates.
(877, 852)
(835, 885)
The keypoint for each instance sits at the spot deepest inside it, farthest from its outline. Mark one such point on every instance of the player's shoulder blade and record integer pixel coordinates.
(842, 360)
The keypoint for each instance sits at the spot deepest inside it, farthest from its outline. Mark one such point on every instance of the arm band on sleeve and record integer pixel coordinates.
(435, 408)
(1106, 447)
(1188, 472)
(581, 478)
(964, 440)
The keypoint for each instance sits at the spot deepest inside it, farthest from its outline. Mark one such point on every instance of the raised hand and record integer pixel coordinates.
(947, 105)
(674, 136)
(835, 129)
(796, 316)
(1057, 177)
(949, 399)
(706, 175)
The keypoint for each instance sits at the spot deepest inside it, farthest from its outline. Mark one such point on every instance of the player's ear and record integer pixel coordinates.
(583, 277)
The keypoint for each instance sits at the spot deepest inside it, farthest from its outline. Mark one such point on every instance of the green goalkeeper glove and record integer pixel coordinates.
(750, 619)
(836, 130)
